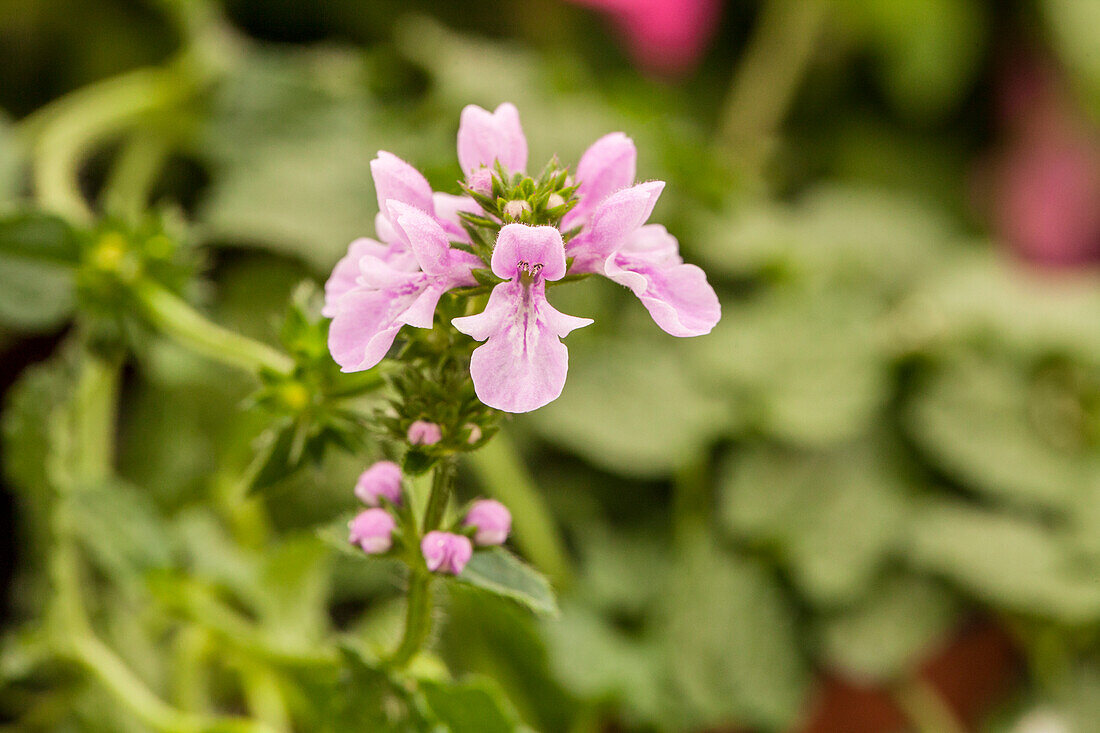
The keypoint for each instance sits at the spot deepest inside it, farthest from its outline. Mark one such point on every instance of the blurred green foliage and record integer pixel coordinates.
(894, 429)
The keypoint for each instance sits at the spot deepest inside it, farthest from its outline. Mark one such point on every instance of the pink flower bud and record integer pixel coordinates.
(382, 480)
(481, 181)
(423, 432)
(491, 520)
(516, 209)
(475, 433)
(446, 552)
(554, 201)
(372, 530)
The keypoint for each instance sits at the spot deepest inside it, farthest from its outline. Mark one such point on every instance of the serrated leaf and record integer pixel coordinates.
(500, 572)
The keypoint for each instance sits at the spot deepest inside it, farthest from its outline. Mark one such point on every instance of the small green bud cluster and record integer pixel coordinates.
(517, 198)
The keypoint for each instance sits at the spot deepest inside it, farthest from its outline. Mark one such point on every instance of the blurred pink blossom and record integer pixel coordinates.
(1046, 180)
(664, 37)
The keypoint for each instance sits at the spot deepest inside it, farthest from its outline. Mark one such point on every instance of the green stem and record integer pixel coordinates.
(174, 317)
(67, 129)
(95, 408)
(925, 709)
(504, 476)
(418, 617)
(769, 74)
(443, 480)
(134, 171)
(418, 604)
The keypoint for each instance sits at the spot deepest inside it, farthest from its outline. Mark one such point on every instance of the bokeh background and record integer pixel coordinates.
(868, 501)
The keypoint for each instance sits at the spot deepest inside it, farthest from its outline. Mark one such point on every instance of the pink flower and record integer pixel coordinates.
(485, 138)
(423, 432)
(380, 481)
(522, 365)
(372, 530)
(646, 259)
(446, 552)
(491, 520)
(607, 166)
(394, 180)
(1046, 186)
(665, 37)
(367, 317)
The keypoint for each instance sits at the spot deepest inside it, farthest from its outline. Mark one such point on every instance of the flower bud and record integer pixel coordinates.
(372, 530)
(554, 201)
(474, 433)
(491, 520)
(446, 552)
(481, 181)
(516, 209)
(382, 480)
(423, 432)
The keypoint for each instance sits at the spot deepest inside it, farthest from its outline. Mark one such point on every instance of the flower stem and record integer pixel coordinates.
(769, 74)
(925, 709)
(443, 480)
(504, 476)
(180, 321)
(418, 609)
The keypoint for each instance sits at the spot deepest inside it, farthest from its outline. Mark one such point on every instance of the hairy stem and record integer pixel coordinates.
(178, 320)
(504, 476)
(418, 609)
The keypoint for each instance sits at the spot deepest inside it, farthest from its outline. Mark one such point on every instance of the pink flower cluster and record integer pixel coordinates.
(382, 286)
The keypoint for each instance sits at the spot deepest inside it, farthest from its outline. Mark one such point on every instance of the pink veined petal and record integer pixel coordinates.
(431, 245)
(677, 296)
(346, 272)
(522, 364)
(397, 180)
(540, 245)
(447, 207)
(367, 321)
(485, 137)
(608, 165)
(613, 221)
(421, 314)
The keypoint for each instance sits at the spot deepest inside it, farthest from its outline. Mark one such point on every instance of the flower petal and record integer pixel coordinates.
(397, 180)
(522, 365)
(363, 329)
(485, 137)
(346, 272)
(613, 221)
(534, 245)
(678, 296)
(608, 165)
(447, 207)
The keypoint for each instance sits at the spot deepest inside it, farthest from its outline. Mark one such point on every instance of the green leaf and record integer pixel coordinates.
(985, 421)
(803, 364)
(475, 705)
(835, 517)
(903, 620)
(1009, 562)
(731, 643)
(596, 661)
(631, 406)
(37, 255)
(500, 572)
